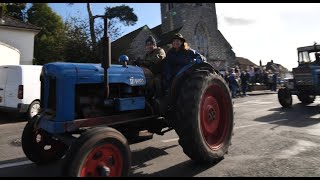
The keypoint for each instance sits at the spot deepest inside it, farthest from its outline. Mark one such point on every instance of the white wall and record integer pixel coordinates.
(23, 40)
(9, 55)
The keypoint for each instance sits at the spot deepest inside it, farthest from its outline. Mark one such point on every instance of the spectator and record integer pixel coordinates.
(244, 82)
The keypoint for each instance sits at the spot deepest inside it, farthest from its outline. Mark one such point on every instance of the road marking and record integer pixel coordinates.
(251, 102)
(15, 164)
(170, 140)
(260, 123)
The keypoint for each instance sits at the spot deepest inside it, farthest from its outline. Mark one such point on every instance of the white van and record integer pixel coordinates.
(20, 89)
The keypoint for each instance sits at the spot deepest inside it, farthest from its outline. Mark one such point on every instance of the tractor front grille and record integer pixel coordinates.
(52, 94)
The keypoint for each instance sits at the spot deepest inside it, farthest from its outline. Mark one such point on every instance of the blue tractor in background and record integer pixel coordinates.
(306, 78)
(90, 113)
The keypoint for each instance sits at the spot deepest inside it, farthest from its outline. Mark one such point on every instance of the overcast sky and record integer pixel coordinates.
(257, 31)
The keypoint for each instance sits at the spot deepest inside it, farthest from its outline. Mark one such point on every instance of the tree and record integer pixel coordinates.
(49, 42)
(16, 10)
(118, 14)
(77, 44)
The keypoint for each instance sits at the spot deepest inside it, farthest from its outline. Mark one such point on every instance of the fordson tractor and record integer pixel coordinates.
(91, 112)
(306, 78)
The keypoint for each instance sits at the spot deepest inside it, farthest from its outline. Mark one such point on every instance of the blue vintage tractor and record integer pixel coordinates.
(306, 78)
(90, 113)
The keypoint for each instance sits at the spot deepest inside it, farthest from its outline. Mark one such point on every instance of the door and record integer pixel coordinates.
(12, 86)
(3, 82)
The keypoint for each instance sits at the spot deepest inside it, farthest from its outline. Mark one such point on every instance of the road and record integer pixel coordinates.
(268, 141)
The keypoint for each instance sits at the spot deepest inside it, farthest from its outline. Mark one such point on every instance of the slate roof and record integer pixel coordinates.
(244, 61)
(220, 35)
(166, 38)
(13, 22)
(120, 45)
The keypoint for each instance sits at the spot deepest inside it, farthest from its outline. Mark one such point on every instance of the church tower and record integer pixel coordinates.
(175, 15)
(199, 28)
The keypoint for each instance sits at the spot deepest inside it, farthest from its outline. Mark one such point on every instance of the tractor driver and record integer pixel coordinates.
(154, 56)
(317, 61)
(177, 57)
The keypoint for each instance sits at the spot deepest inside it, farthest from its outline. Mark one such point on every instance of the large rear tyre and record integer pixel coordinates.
(39, 147)
(306, 99)
(98, 152)
(285, 97)
(205, 118)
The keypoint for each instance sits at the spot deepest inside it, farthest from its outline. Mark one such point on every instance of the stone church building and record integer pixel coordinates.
(197, 22)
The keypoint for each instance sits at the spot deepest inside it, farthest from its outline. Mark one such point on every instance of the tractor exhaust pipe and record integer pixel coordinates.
(106, 56)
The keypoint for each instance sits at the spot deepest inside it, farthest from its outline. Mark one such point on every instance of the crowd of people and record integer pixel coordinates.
(164, 66)
(240, 81)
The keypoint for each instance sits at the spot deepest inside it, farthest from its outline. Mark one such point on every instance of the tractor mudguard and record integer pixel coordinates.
(185, 72)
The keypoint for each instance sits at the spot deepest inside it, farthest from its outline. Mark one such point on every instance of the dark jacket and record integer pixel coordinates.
(153, 60)
(175, 60)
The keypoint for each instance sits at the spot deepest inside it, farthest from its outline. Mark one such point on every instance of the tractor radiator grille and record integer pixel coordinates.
(52, 94)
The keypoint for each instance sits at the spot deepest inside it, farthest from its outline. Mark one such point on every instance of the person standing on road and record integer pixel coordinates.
(245, 77)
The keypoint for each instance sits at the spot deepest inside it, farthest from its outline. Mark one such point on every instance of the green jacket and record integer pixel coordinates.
(153, 59)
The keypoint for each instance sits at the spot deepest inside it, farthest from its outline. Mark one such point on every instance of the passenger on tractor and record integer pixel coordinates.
(177, 57)
(152, 61)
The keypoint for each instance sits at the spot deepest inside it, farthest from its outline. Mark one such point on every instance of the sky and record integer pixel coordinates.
(256, 31)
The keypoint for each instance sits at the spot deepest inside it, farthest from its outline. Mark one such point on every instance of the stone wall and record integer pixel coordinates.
(137, 47)
(189, 15)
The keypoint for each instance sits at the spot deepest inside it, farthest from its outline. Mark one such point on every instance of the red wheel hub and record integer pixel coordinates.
(214, 116)
(105, 160)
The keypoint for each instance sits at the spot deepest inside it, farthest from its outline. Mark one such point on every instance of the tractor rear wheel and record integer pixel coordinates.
(204, 118)
(285, 97)
(306, 99)
(98, 152)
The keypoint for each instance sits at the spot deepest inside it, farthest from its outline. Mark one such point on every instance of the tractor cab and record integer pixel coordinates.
(309, 55)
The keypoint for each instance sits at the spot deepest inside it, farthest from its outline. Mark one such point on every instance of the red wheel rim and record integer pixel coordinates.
(214, 116)
(107, 156)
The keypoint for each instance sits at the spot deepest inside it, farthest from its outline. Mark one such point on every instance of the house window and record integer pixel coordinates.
(201, 40)
(170, 6)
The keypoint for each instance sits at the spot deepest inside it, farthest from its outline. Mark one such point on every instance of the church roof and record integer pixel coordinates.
(220, 35)
(157, 30)
(166, 38)
(8, 21)
(244, 61)
(122, 44)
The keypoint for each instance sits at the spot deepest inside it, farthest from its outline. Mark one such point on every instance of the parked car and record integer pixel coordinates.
(20, 89)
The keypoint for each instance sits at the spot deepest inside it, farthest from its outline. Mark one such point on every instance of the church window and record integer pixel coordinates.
(201, 40)
(170, 6)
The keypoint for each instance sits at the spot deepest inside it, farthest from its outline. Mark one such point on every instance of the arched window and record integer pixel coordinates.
(170, 6)
(201, 39)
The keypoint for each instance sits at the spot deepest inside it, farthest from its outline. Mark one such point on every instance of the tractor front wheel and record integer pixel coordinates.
(98, 152)
(38, 146)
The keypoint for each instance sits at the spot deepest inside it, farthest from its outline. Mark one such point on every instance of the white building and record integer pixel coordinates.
(19, 35)
(9, 55)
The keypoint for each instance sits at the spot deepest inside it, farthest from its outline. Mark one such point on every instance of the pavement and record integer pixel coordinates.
(261, 92)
